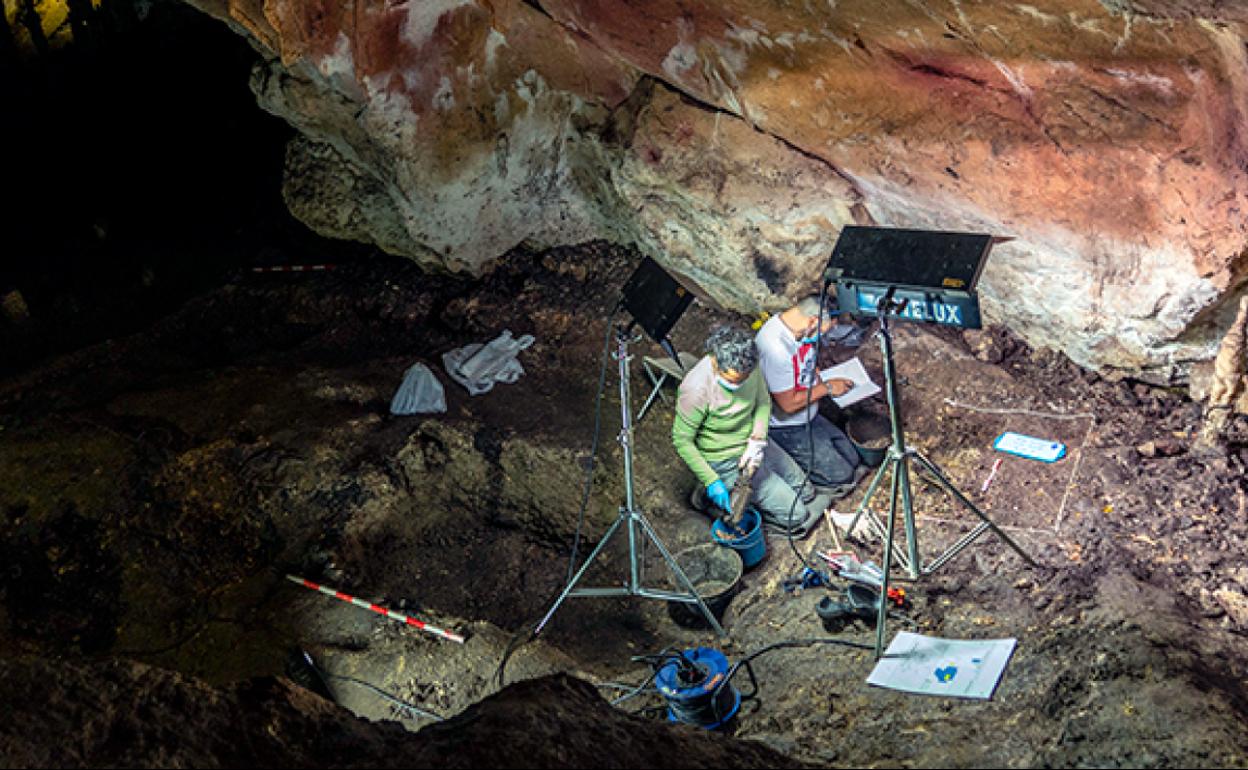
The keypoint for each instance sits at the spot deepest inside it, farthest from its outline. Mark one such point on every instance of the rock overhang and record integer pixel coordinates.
(732, 140)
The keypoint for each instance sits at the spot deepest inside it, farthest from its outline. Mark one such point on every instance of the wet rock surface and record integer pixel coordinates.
(156, 489)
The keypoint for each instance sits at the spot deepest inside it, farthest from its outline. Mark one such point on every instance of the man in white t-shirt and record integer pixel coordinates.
(786, 352)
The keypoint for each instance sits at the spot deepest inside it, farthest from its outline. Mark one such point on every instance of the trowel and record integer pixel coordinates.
(739, 498)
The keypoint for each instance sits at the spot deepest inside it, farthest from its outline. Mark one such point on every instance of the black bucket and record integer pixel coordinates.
(871, 435)
(716, 575)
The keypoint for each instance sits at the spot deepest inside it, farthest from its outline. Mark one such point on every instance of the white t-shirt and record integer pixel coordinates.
(786, 365)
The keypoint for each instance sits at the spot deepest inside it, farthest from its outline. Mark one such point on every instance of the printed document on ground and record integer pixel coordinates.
(958, 668)
(851, 370)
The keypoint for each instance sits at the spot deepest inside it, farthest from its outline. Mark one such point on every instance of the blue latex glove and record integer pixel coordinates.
(719, 494)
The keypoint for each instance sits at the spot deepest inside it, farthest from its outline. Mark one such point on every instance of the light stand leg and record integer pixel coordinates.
(882, 608)
(626, 441)
(985, 523)
(899, 450)
(657, 391)
(630, 515)
(866, 499)
(874, 523)
(634, 569)
(898, 458)
(680, 576)
(567, 590)
(907, 505)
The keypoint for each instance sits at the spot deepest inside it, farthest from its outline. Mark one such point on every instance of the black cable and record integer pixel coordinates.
(715, 699)
(636, 690)
(593, 448)
(658, 661)
(517, 641)
(802, 643)
(709, 710)
(374, 688)
(810, 432)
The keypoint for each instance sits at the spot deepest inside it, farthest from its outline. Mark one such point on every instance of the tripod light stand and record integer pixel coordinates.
(655, 300)
(897, 460)
(873, 267)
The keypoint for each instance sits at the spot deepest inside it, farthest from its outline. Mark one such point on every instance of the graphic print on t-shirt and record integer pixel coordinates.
(786, 364)
(804, 366)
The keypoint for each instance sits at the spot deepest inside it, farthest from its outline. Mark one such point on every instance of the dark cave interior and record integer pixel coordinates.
(139, 171)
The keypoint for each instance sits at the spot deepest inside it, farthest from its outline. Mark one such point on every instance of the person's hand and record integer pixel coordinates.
(753, 454)
(839, 386)
(719, 494)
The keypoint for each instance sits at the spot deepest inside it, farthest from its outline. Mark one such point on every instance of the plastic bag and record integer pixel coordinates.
(477, 367)
(419, 393)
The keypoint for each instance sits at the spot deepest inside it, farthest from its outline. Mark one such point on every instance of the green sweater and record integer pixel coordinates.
(713, 423)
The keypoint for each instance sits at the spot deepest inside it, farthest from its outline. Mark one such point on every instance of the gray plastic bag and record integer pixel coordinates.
(419, 393)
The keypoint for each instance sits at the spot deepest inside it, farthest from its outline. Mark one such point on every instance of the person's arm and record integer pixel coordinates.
(762, 410)
(794, 399)
(779, 370)
(688, 421)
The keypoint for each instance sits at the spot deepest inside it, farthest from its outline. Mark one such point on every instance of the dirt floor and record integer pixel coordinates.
(156, 489)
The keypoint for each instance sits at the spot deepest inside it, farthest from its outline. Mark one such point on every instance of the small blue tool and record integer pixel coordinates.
(1030, 447)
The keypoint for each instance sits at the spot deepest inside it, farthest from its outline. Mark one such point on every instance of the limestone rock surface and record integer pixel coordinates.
(734, 139)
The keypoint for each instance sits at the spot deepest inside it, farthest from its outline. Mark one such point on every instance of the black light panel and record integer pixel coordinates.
(655, 299)
(932, 271)
(922, 259)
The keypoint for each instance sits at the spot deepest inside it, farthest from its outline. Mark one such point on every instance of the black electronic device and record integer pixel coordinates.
(655, 299)
(932, 274)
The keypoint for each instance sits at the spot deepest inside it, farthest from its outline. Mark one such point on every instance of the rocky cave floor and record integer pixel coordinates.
(156, 488)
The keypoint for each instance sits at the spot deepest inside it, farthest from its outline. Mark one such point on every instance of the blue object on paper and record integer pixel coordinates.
(926, 665)
(1030, 447)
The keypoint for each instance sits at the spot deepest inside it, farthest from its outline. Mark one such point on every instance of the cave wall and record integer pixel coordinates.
(732, 140)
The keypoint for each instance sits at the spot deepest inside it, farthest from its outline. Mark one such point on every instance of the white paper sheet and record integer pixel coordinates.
(851, 370)
(958, 668)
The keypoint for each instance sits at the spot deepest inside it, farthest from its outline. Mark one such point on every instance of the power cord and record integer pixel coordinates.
(801, 643)
(517, 639)
(593, 449)
(712, 701)
(810, 434)
(396, 701)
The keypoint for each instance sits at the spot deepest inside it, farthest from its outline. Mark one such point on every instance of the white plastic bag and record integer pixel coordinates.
(477, 367)
(419, 393)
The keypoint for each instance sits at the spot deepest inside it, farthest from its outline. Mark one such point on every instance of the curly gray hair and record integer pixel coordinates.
(732, 348)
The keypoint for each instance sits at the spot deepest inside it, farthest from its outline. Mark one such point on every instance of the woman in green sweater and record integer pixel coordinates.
(722, 410)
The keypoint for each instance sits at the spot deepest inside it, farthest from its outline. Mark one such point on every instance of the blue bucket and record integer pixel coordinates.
(752, 546)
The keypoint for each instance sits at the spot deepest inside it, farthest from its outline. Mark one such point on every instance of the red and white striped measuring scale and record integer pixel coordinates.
(420, 624)
(292, 268)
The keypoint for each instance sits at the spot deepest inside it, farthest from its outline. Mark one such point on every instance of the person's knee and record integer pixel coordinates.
(779, 503)
(845, 448)
(851, 456)
(833, 469)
